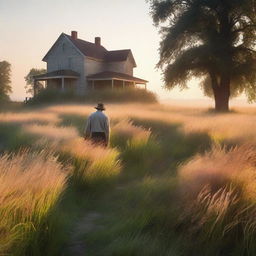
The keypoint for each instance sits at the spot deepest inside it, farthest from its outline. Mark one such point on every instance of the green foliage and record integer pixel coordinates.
(13, 138)
(5, 81)
(30, 80)
(122, 95)
(213, 40)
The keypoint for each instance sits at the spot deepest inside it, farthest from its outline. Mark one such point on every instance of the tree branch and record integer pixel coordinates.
(244, 28)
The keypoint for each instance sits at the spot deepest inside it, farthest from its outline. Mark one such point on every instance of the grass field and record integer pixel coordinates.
(174, 181)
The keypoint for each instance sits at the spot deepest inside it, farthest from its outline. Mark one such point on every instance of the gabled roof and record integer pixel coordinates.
(89, 49)
(97, 51)
(118, 55)
(114, 75)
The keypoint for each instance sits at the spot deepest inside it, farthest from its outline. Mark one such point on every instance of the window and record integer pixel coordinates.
(70, 63)
(64, 47)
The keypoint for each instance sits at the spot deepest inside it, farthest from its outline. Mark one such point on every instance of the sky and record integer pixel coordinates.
(30, 27)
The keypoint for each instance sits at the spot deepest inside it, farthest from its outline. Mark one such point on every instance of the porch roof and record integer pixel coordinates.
(109, 75)
(64, 73)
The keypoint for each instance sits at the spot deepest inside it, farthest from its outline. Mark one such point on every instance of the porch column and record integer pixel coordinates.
(34, 87)
(145, 86)
(112, 84)
(62, 84)
(134, 84)
(123, 84)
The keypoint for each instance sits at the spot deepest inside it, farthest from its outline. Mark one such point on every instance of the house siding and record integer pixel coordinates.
(115, 66)
(125, 67)
(65, 56)
(128, 67)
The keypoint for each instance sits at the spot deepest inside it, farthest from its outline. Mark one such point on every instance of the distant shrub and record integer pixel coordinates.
(117, 95)
(122, 95)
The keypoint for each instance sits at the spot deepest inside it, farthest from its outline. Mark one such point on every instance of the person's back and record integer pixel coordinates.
(97, 127)
(98, 120)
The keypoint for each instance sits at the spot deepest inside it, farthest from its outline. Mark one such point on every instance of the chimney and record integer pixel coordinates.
(74, 34)
(98, 41)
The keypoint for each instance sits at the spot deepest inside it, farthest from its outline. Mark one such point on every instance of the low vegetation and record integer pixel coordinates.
(120, 95)
(174, 181)
(31, 184)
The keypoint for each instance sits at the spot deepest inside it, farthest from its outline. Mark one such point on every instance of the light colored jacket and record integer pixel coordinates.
(97, 122)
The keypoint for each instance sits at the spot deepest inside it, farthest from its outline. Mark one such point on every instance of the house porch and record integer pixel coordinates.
(60, 79)
(113, 80)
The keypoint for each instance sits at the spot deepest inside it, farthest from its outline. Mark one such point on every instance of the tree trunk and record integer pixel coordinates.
(221, 101)
(221, 92)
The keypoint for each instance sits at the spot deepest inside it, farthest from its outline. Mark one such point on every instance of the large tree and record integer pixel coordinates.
(30, 80)
(5, 80)
(211, 39)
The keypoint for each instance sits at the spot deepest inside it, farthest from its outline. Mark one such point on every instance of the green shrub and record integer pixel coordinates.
(117, 95)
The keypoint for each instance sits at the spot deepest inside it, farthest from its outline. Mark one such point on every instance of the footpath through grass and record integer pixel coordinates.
(133, 212)
(154, 191)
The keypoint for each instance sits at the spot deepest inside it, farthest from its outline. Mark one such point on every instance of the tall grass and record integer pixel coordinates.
(26, 117)
(92, 164)
(219, 127)
(218, 191)
(30, 186)
(51, 133)
(125, 131)
(207, 209)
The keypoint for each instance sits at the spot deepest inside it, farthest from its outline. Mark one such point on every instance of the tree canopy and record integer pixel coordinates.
(5, 80)
(211, 39)
(30, 81)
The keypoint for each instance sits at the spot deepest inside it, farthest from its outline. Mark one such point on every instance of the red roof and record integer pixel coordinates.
(89, 49)
(114, 75)
(98, 51)
(119, 55)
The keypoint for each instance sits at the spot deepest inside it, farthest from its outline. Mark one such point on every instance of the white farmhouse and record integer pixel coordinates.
(73, 63)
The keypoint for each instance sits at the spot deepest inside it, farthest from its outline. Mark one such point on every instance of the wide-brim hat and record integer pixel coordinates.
(100, 106)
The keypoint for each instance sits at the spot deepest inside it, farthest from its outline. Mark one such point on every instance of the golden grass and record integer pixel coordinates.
(91, 162)
(221, 167)
(29, 117)
(218, 194)
(214, 186)
(235, 127)
(51, 132)
(133, 133)
(30, 185)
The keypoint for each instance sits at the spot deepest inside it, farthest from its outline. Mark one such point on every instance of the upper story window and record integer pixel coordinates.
(70, 63)
(63, 47)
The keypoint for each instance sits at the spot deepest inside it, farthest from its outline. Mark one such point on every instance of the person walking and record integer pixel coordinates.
(97, 127)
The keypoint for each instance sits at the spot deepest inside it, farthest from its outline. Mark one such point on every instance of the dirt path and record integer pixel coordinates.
(77, 246)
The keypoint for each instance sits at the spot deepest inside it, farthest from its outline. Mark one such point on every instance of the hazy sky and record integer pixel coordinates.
(30, 27)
